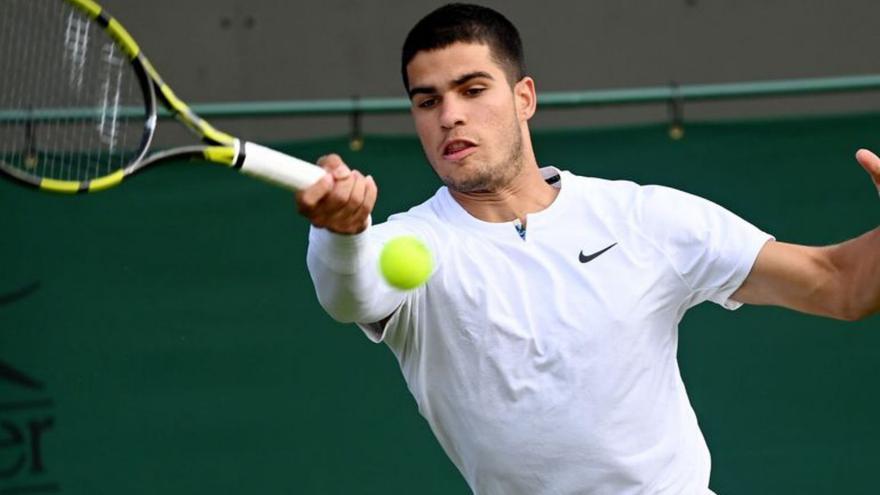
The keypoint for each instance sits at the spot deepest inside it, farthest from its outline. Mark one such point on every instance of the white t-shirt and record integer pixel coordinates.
(547, 364)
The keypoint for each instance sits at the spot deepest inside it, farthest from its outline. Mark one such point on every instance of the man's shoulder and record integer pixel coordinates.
(591, 181)
(598, 189)
(623, 190)
(648, 206)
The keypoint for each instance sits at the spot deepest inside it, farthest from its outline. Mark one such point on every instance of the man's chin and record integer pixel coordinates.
(471, 185)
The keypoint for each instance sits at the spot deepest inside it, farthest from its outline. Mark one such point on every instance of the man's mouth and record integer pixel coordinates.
(457, 149)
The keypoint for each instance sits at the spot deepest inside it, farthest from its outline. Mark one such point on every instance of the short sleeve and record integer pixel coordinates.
(712, 249)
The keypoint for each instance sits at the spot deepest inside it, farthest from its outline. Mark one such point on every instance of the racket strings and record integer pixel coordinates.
(72, 107)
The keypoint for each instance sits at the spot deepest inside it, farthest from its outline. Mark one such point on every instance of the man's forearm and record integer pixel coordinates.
(347, 281)
(857, 264)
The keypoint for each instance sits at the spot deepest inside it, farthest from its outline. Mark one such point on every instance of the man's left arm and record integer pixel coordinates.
(840, 281)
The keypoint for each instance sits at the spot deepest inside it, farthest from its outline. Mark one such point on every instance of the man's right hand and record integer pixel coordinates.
(341, 201)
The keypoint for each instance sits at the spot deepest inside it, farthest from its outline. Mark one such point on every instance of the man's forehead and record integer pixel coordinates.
(443, 66)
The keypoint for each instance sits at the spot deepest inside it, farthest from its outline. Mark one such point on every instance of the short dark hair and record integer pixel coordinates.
(459, 22)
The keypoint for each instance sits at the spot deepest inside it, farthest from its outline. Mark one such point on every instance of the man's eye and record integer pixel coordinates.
(474, 91)
(427, 103)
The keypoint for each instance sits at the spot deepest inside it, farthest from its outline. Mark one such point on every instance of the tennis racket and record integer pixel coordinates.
(78, 102)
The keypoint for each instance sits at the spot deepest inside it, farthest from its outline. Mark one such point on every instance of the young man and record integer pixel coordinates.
(542, 351)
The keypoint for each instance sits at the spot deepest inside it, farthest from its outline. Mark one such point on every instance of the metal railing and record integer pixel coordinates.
(567, 99)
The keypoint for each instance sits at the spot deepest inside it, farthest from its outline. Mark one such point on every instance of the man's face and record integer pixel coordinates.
(469, 119)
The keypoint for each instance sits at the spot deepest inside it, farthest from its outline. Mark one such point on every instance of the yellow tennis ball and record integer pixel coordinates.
(406, 262)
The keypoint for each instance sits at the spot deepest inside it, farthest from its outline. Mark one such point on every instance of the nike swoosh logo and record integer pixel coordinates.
(584, 258)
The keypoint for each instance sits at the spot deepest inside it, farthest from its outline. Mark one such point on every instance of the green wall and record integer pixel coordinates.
(163, 337)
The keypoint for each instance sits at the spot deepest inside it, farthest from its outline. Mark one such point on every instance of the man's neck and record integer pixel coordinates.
(527, 193)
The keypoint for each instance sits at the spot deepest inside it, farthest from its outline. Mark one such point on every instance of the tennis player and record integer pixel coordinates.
(542, 351)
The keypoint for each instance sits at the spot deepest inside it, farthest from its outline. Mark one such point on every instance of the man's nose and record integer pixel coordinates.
(452, 113)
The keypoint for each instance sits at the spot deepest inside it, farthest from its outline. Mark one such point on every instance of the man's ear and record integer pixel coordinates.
(526, 97)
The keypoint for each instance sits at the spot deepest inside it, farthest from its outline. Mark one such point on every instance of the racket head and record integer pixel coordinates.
(78, 110)
(81, 114)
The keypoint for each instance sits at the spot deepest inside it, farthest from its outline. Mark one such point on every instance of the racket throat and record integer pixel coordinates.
(231, 156)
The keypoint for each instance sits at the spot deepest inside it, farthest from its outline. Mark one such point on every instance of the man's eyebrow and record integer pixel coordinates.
(426, 90)
(472, 75)
(430, 90)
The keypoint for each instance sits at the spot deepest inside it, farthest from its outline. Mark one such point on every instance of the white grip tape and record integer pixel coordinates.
(271, 166)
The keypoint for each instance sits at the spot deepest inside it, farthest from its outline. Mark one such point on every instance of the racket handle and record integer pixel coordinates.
(280, 169)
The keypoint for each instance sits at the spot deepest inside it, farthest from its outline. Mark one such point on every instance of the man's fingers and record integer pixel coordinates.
(334, 165)
(324, 214)
(339, 195)
(869, 161)
(358, 192)
(371, 193)
(339, 204)
(309, 198)
(341, 201)
(356, 215)
(330, 162)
